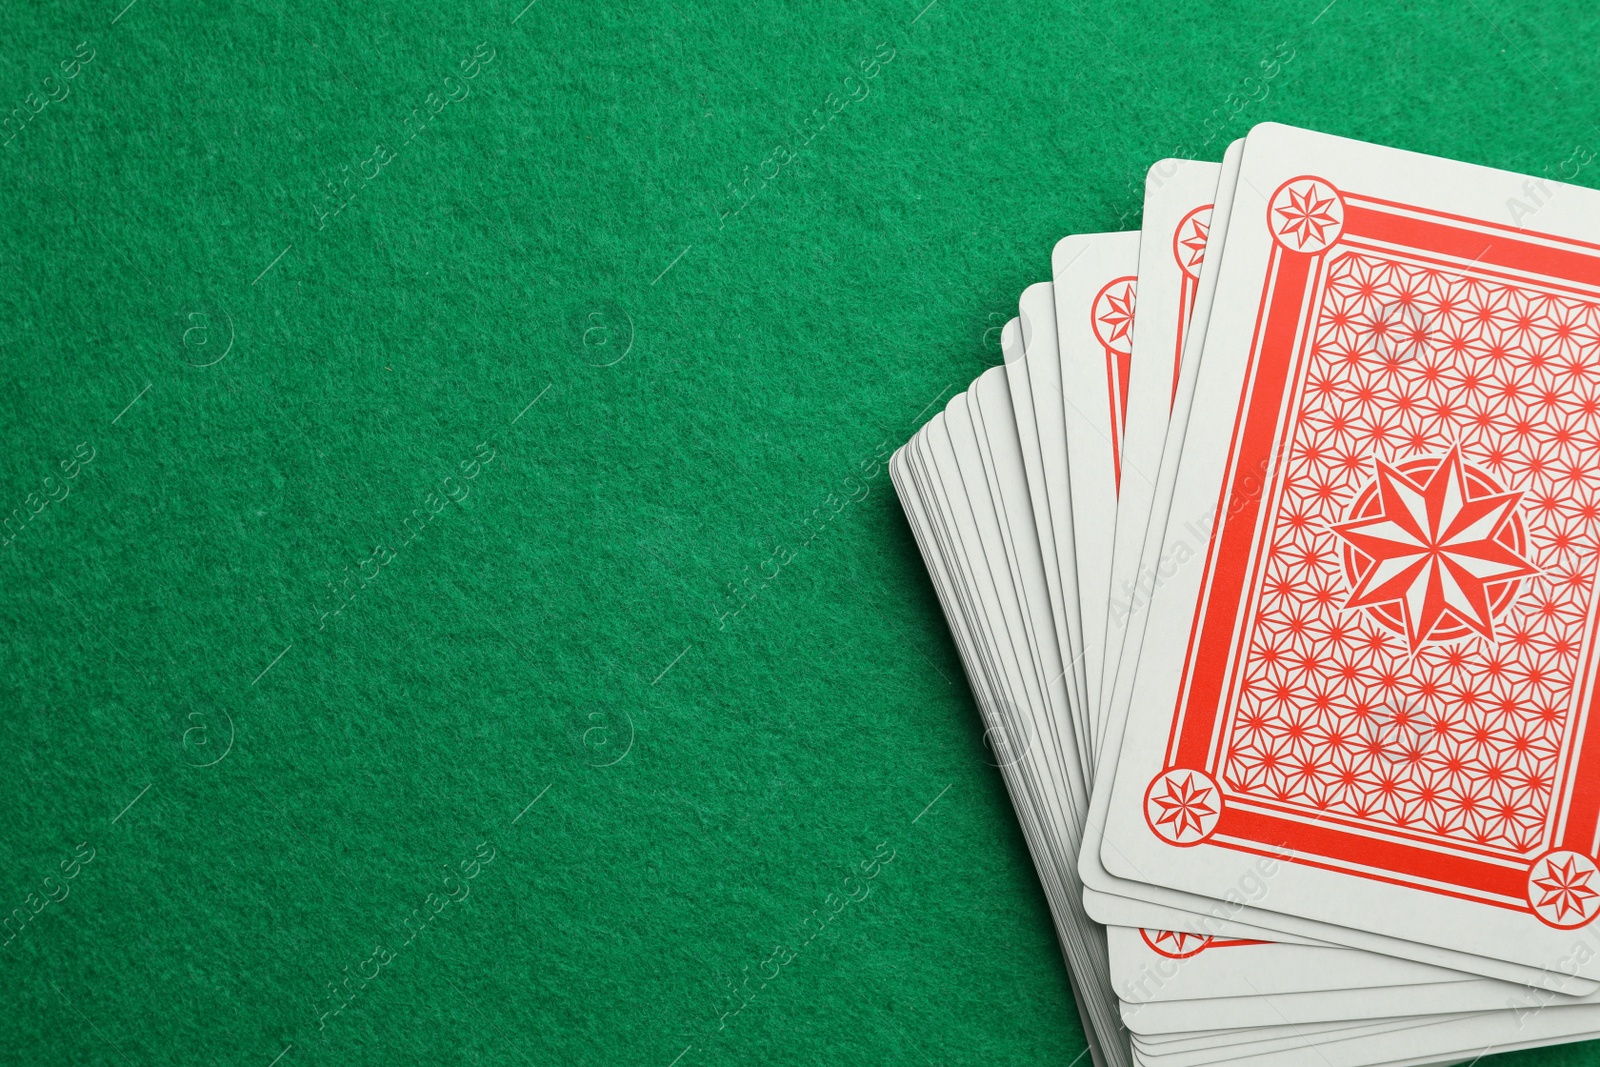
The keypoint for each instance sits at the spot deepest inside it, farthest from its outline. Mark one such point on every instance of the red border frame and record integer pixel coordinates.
(1274, 355)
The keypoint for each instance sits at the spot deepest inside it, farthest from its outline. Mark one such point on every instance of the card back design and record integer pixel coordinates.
(1434, 549)
(1391, 670)
(1112, 315)
(1189, 249)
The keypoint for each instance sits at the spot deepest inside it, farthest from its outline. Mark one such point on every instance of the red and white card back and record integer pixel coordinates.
(1375, 664)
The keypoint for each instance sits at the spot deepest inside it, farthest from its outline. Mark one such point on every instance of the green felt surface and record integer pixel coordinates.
(265, 713)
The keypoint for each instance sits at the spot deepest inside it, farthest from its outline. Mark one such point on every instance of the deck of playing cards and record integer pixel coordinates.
(1271, 555)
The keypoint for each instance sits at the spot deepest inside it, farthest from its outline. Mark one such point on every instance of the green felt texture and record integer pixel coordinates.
(710, 764)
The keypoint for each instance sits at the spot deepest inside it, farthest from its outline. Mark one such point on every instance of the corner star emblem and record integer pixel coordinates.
(1194, 242)
(1176, 942)
(1565, 888)
(1118, 315)
(1434, 550)
(1185, 806)
(1306, 216)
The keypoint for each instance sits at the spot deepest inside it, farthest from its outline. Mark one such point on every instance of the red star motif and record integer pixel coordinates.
(1176, 944)
(1117, 315)
(1565, 888)
(1306, 216)
(1184, 808)
(1193, 242)
(1434, 549)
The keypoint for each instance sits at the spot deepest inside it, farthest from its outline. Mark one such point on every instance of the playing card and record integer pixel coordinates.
(1319, 1008)
(1177, 218)
(963, 483)
(1228, 1046)
(939, 520)
(1196, 915)
(1174, 983)
(1236, 1039)
(1374, 673)
(1012, 553)
(1094, 294)
(1134, 610)
(1033, 374)
(1053, 750)
(1101, 893)
(1157, 965)
(1027, 554)
(1448, 1038)
(1115, 901)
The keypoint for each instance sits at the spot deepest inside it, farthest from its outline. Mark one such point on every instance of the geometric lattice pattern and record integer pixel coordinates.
(1332, 711)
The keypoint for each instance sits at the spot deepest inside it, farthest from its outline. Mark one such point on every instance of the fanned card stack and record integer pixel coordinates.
(1271, 556)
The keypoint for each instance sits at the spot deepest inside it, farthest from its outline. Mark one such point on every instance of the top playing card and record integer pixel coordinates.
(1381, 662)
